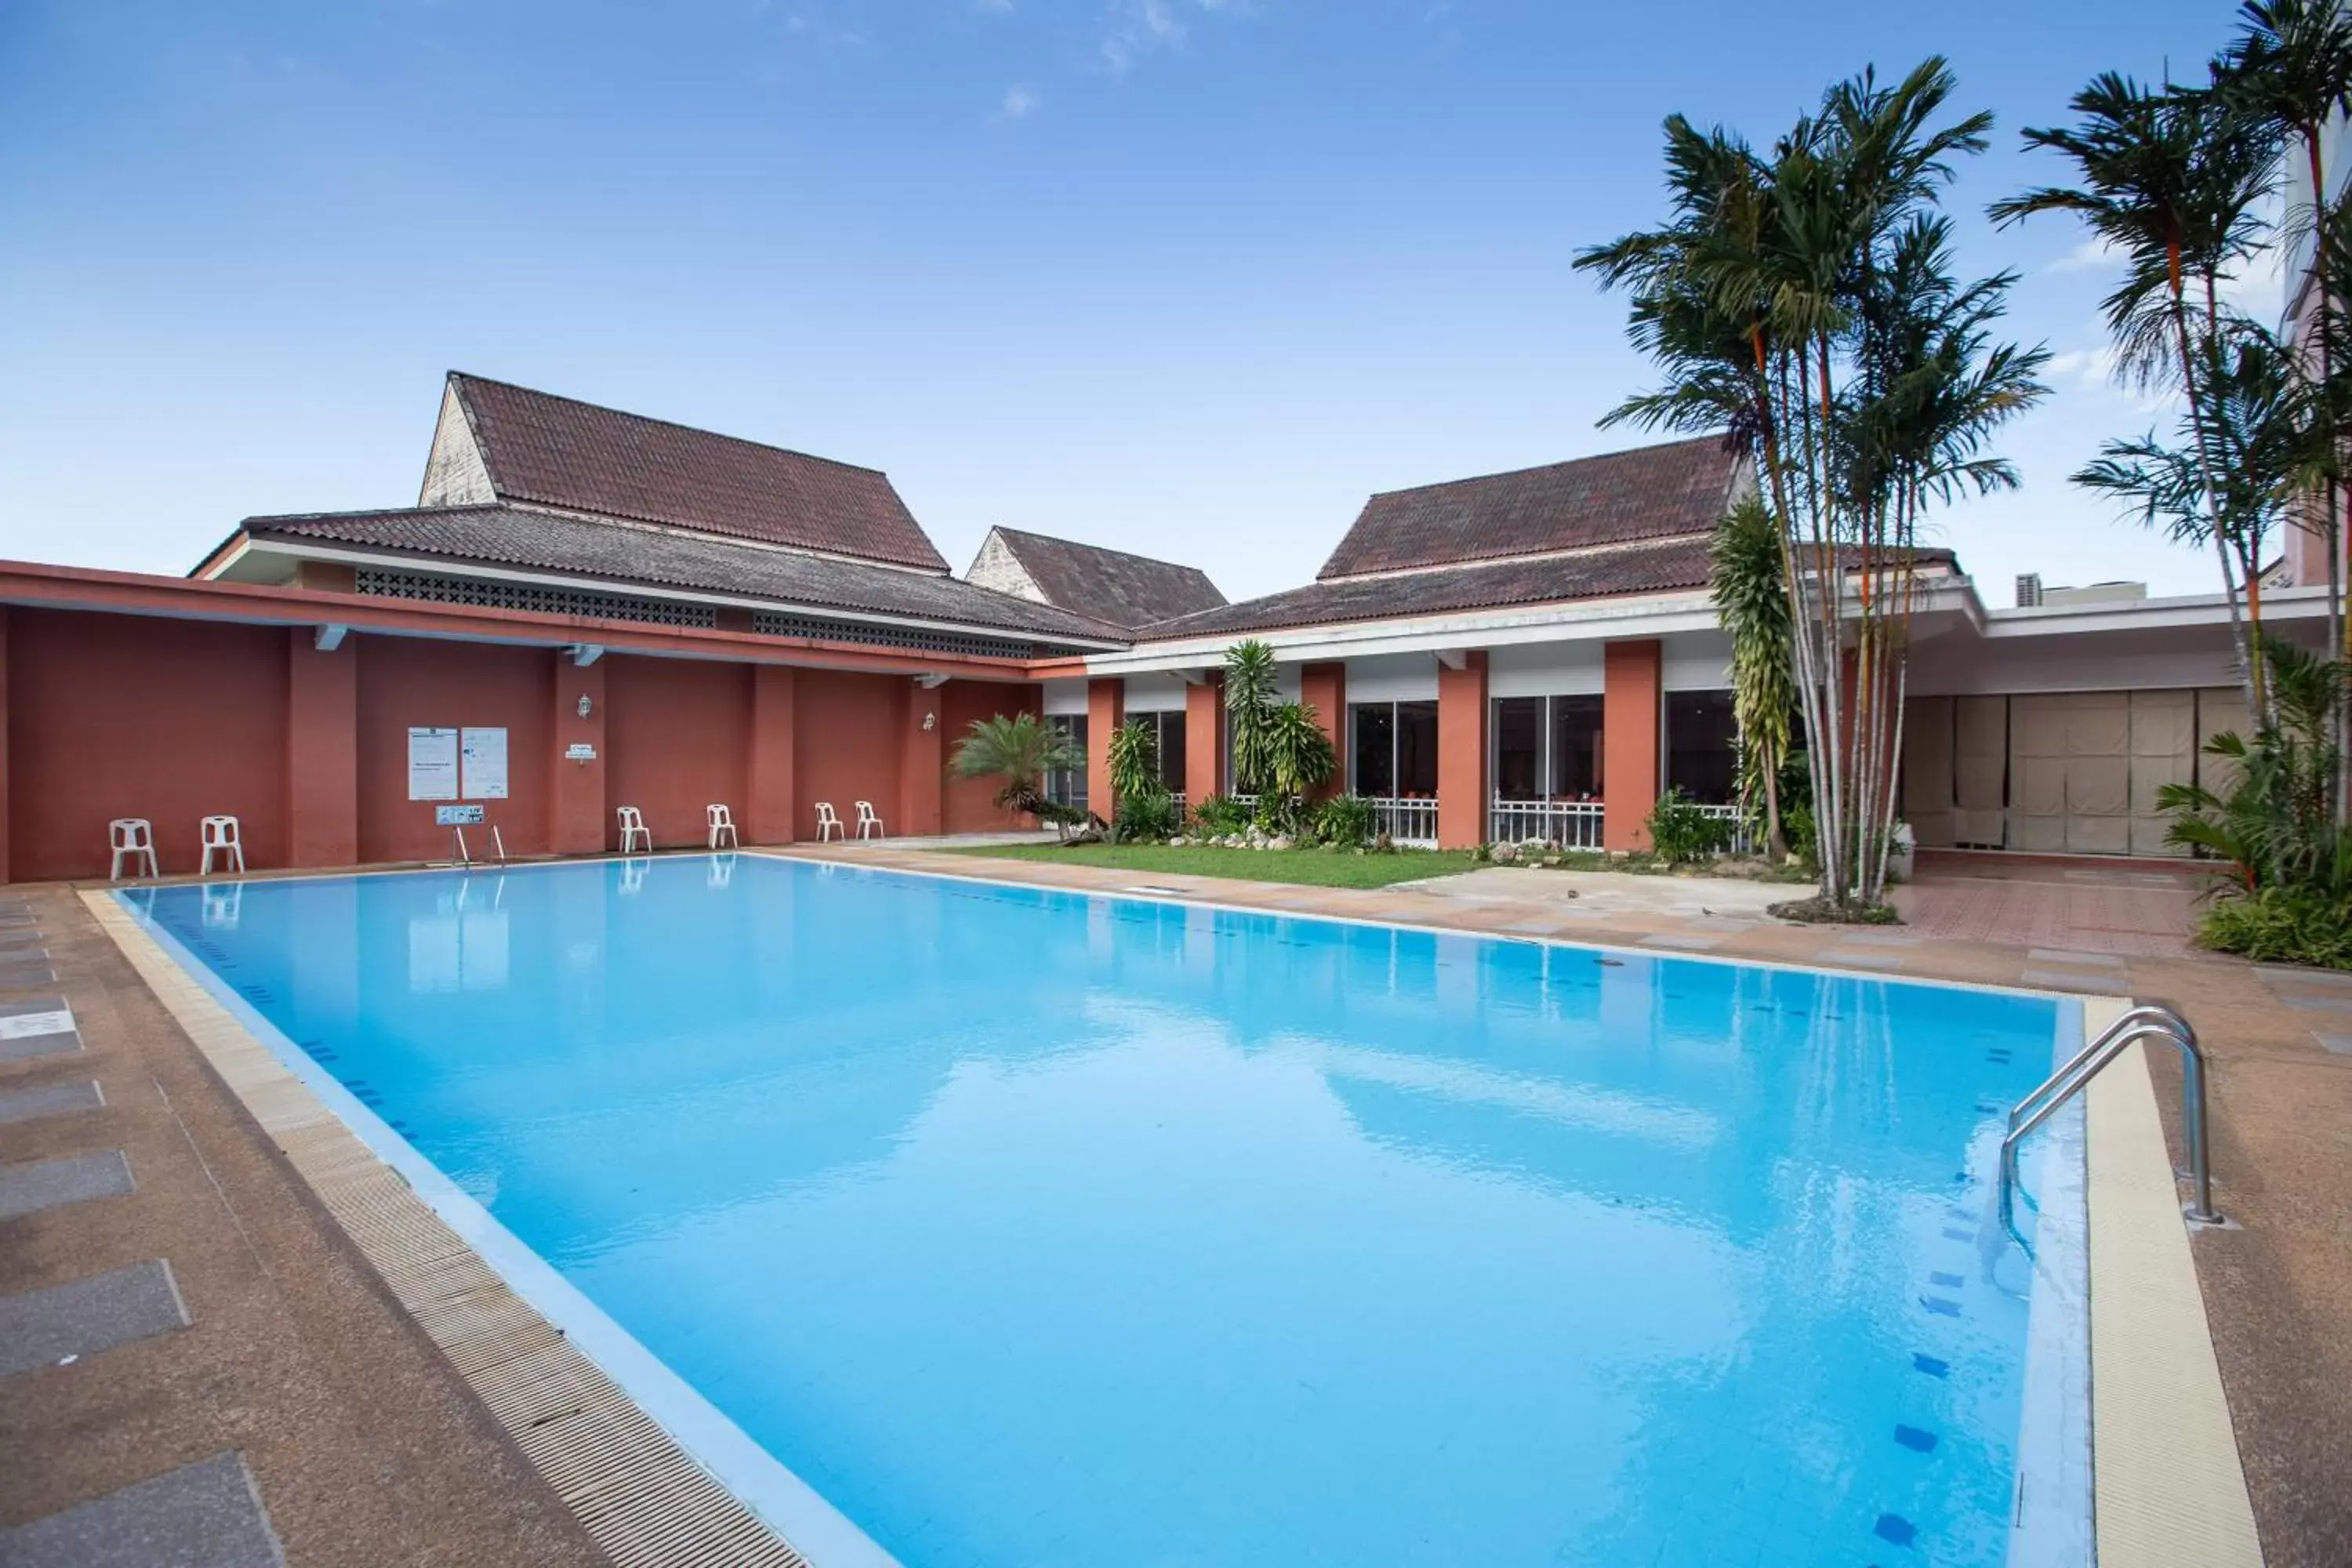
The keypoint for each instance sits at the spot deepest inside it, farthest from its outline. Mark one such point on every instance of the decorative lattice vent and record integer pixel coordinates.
(776, 624)
(476, 592)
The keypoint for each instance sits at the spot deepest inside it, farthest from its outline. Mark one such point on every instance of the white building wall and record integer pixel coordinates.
(1696, 661)
(1066, 697)
(1545, 669)
(1393, 678)
(997, 567)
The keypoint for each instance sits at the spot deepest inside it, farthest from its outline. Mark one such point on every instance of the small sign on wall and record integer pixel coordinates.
(484, 776)
(432, 763)
(580, 752)
(455, 815)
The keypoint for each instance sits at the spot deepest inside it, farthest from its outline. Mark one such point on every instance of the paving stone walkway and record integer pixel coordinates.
(195, 1370)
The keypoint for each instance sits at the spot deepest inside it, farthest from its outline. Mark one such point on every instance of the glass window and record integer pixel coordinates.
(1375, 770)
(1518, 748)
(1068, 786)
(1701, 746)
(1171, 753)
(1417, 751)
(1575, 748)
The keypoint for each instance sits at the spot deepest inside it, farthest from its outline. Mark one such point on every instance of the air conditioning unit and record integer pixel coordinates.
(2029, 590)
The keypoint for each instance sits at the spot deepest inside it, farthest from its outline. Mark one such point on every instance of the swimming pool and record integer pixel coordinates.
(1027, 1227)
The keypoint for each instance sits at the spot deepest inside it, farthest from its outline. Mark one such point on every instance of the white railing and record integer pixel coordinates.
(1570, 823)
(1406, 821)
(1743, 832)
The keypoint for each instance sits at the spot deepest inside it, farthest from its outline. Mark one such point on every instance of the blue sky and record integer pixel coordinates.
(1186, 277)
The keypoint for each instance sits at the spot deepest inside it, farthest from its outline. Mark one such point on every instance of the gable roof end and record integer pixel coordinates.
(1108, 585)
(553, 451)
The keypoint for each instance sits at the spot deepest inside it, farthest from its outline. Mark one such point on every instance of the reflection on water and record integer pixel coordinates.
(1032, 1228)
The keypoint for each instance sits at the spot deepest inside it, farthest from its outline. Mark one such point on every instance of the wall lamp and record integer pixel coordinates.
(586, 707)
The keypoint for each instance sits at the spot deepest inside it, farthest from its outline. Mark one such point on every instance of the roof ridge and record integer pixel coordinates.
(457, 375)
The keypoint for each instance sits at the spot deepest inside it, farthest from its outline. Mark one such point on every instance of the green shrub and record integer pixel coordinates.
(1346, 822)
(1681, 831)
(1221, 816)
(2282, 925)
(1134, 760)
(1147, 819)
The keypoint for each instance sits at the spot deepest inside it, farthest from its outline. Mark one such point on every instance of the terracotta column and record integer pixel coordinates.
(1324, 688)
(1632, 694)
(322, 751)
(1462, 752)
(1205, 740)
(771, 800)
(1105, 712)
(922, 762)
(577, 823)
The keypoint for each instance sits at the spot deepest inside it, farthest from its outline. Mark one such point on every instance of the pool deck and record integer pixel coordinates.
(301, 1399)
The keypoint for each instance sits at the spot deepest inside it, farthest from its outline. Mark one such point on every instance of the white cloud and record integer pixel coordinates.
(1134, 29)
(2092, 253)
(1020, 103)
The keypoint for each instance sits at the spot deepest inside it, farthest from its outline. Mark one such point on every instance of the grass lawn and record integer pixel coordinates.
(1316, 868)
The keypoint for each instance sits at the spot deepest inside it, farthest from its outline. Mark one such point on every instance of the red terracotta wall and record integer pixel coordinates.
(134, 716)
(1462, 752)
(1632, 687)
(1324, 688)
(1105, 712)
(1204, 740)
(846, 743)
(418, 681)
(969, 804)
(677, 739)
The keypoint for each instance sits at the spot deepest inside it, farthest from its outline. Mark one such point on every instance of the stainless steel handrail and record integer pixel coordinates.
(2146, 1021)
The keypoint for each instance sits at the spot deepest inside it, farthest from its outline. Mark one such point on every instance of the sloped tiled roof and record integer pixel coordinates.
(559, 452)
(1109, 584)
(1664, 566)
(1650, 492)
(619, 554)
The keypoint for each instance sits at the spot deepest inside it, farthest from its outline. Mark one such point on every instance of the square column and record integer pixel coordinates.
(1105, 712)
(322, 751)
(922, 763)
(1205, 740)
(1632, 693)
(771, 794)
(1324, 688)
(577, 823)
(1462, 751)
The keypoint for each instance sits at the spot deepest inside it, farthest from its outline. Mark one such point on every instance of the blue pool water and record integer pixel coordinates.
(1039, 1230)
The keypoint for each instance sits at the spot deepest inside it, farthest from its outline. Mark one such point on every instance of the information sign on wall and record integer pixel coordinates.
(432, 764)
(484, 775)
(457, 816)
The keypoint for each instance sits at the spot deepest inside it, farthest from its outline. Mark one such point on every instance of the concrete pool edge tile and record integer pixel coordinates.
(2168, 1484)
(640, 1495)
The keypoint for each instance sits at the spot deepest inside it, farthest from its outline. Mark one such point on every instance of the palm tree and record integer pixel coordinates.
(1022, 751)
(1747, 581)
(2171, 179)
(1300, 759)
(2290, 67)
(1801, 304)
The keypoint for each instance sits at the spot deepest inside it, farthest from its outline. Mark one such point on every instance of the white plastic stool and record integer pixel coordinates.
(828, 824)
(869, 824)
(720, 823)
(634, 830)
(132, 836)
(221, 836)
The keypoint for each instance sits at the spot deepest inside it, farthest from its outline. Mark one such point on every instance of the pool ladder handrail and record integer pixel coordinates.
(2148, 1021)
(465, 861)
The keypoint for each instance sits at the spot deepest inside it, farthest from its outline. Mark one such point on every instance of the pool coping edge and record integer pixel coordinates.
(2168, 1485)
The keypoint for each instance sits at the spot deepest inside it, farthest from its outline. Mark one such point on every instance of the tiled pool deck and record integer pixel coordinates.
(355, 1441)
